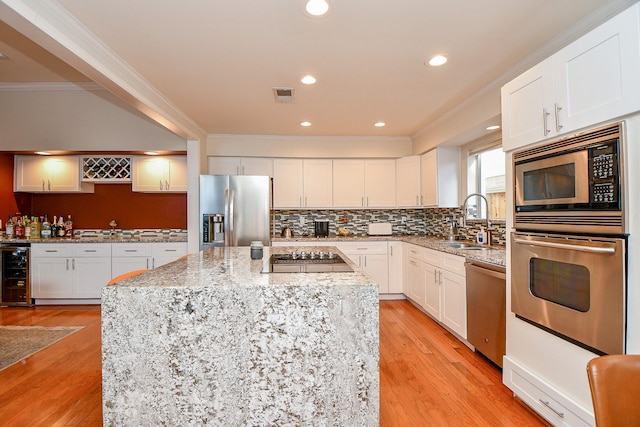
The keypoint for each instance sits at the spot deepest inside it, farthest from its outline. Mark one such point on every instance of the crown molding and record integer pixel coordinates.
(55, 29)
(49, 86)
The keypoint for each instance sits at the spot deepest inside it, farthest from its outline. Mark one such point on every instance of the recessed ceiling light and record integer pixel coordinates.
(151, 153)
(3, 55)
(305, 124)
(494, 127)
(379, 124)
(437, 61)
(317, 7)
(308, 80)
(43, 153)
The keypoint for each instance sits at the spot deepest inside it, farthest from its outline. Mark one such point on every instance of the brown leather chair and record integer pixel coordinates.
(615, 389)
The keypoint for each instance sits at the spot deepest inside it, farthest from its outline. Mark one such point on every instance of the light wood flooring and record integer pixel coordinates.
(427, 377)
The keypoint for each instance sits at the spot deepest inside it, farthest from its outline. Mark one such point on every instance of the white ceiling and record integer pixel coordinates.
(217, 61)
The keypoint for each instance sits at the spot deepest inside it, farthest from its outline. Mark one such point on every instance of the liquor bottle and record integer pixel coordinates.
(9, 229)
(18, 229)
(27, 227)
(54, 226)
(68, 228)
(61, 230)
(35, 228)
(45, 231)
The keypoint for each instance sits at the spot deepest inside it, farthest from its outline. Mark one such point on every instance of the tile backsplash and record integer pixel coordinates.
(429, 221)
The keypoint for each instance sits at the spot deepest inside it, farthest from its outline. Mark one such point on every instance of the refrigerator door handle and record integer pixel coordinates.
(227, 230)
(232, 231)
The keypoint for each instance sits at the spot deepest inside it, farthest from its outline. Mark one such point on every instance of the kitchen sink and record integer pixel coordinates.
(462, 246)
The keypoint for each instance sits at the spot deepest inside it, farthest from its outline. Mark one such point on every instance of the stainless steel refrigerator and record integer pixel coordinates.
(234, 210)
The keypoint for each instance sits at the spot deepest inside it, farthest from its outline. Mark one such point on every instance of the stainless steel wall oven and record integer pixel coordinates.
(572, 286)
(568, 252)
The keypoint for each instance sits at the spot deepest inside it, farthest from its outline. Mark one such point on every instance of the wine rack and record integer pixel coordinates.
(106, 169)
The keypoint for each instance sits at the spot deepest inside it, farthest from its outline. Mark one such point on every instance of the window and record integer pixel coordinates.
(486, 176)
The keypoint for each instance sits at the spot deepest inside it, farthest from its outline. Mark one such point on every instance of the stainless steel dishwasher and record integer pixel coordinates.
(486, 309)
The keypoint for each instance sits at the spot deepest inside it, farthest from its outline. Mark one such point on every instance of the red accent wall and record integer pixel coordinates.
(95, 210)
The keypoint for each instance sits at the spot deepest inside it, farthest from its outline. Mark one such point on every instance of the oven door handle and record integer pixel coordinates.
(600, 250)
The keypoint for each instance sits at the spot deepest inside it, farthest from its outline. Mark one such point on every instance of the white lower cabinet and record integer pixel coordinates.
(543, 398)
(127, 257)
(396, 267)
(69, 270)
(372, 258)
(436, 282)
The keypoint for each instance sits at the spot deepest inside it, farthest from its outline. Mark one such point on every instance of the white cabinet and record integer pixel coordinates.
(301, 183)
(592, 80)
(69, 270)
(364, 183)
(454, 294)
(166, 174)
(240, 166)
(166, 252)
(440, 177)
(408, 182)
(396, 267)
(436, 282)
(127, 257)
(59, 174)
(372, 258)
(416, 274)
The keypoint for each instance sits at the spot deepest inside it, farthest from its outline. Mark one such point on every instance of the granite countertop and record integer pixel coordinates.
(233, 267)
(495, 255)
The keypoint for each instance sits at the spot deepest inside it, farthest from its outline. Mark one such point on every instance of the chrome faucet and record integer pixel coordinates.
(464, 214)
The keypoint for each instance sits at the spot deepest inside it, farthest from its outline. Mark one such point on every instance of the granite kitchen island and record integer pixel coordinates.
(212, 340)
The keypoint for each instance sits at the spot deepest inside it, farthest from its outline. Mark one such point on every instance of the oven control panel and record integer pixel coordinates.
(603, 162)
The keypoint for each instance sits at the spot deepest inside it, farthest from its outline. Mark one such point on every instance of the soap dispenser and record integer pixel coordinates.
(481, 237)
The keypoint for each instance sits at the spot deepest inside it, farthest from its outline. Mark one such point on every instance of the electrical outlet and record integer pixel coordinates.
(302, 221)
(403, 219)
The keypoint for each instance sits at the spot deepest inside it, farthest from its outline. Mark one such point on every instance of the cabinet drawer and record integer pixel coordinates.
(91, 250)
(363, 248)
(416, 253)
(131, 249)
(551, 405)
(52, 250)
(454, 264)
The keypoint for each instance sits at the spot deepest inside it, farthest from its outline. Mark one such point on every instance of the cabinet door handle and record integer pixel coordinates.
(365, 261)
(391, 250)
(558, 109)
(367, 200)
(417, 201)
(166, 184)
(43, 185)
(67, 263)
(435, 276)
(147, 263)
(89, 250)
(160, 185)
(73, 264)
(548, 405)
(238, 170)
(51, 250)
(49, 184)
(362, 201)
(440, 277)
(242, 169)
(544, 121)
(306, 203)
(131, 250)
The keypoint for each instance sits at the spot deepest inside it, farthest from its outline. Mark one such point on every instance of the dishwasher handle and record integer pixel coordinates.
(486, 271)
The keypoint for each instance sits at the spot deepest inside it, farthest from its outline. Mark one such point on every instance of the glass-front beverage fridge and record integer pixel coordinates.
(16, 289)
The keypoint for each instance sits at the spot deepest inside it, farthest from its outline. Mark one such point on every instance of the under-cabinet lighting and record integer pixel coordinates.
(494, 127)
(151, 153)
(43, 153)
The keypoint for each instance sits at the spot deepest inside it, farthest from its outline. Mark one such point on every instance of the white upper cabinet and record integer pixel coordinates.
(301, 183)
(408, 182)
(167, 174)
(440, 177)
(364, 183)
(37, 174)
(240, 166)
(592, 80)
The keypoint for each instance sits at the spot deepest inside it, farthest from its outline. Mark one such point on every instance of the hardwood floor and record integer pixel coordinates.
(427, 377)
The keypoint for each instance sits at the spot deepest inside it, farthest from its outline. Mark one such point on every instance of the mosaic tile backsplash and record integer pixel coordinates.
(429, 221)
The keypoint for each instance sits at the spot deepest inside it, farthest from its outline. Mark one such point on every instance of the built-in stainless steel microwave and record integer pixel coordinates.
(571, 185)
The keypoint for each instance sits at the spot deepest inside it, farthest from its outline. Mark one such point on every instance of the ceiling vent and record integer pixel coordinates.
(284, 95)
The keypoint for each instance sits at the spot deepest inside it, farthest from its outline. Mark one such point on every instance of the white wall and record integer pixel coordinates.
(306, 146)
(81, 120)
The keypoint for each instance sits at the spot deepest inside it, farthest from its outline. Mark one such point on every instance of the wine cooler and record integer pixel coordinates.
(16, 289)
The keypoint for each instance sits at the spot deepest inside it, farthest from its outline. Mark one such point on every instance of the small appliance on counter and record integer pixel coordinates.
(321, 227)
(379, 229)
